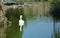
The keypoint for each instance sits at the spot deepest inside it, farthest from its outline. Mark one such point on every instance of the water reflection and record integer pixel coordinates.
(39, 28)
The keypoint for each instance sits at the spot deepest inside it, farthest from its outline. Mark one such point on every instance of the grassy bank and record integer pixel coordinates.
(13, 16)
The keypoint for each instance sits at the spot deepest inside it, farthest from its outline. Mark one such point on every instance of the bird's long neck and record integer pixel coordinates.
(20, 18)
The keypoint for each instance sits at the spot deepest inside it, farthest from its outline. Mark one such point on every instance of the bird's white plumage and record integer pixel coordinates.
(21, 22)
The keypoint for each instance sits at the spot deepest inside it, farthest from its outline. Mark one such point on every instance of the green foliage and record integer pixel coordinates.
(45, 0)
(37, 0)
(15, 13)
(55, 10)
(56, 3)
(13, 16)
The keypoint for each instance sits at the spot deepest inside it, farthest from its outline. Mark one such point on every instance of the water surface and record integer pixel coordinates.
(41, 27)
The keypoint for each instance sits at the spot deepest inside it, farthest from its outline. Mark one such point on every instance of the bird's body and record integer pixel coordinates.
(21, 22)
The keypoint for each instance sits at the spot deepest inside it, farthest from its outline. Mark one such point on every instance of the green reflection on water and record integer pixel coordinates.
(31, 12)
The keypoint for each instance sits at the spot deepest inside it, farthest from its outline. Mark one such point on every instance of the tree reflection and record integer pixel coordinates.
(31, 12)
(55, 13)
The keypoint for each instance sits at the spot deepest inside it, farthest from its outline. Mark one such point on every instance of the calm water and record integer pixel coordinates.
(41, 27)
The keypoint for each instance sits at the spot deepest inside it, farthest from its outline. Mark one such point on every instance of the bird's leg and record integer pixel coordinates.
(20, 28)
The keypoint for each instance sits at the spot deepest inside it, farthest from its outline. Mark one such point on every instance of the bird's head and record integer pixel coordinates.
(21, 16)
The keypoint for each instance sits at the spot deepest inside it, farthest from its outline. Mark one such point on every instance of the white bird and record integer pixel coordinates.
(21, 22)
